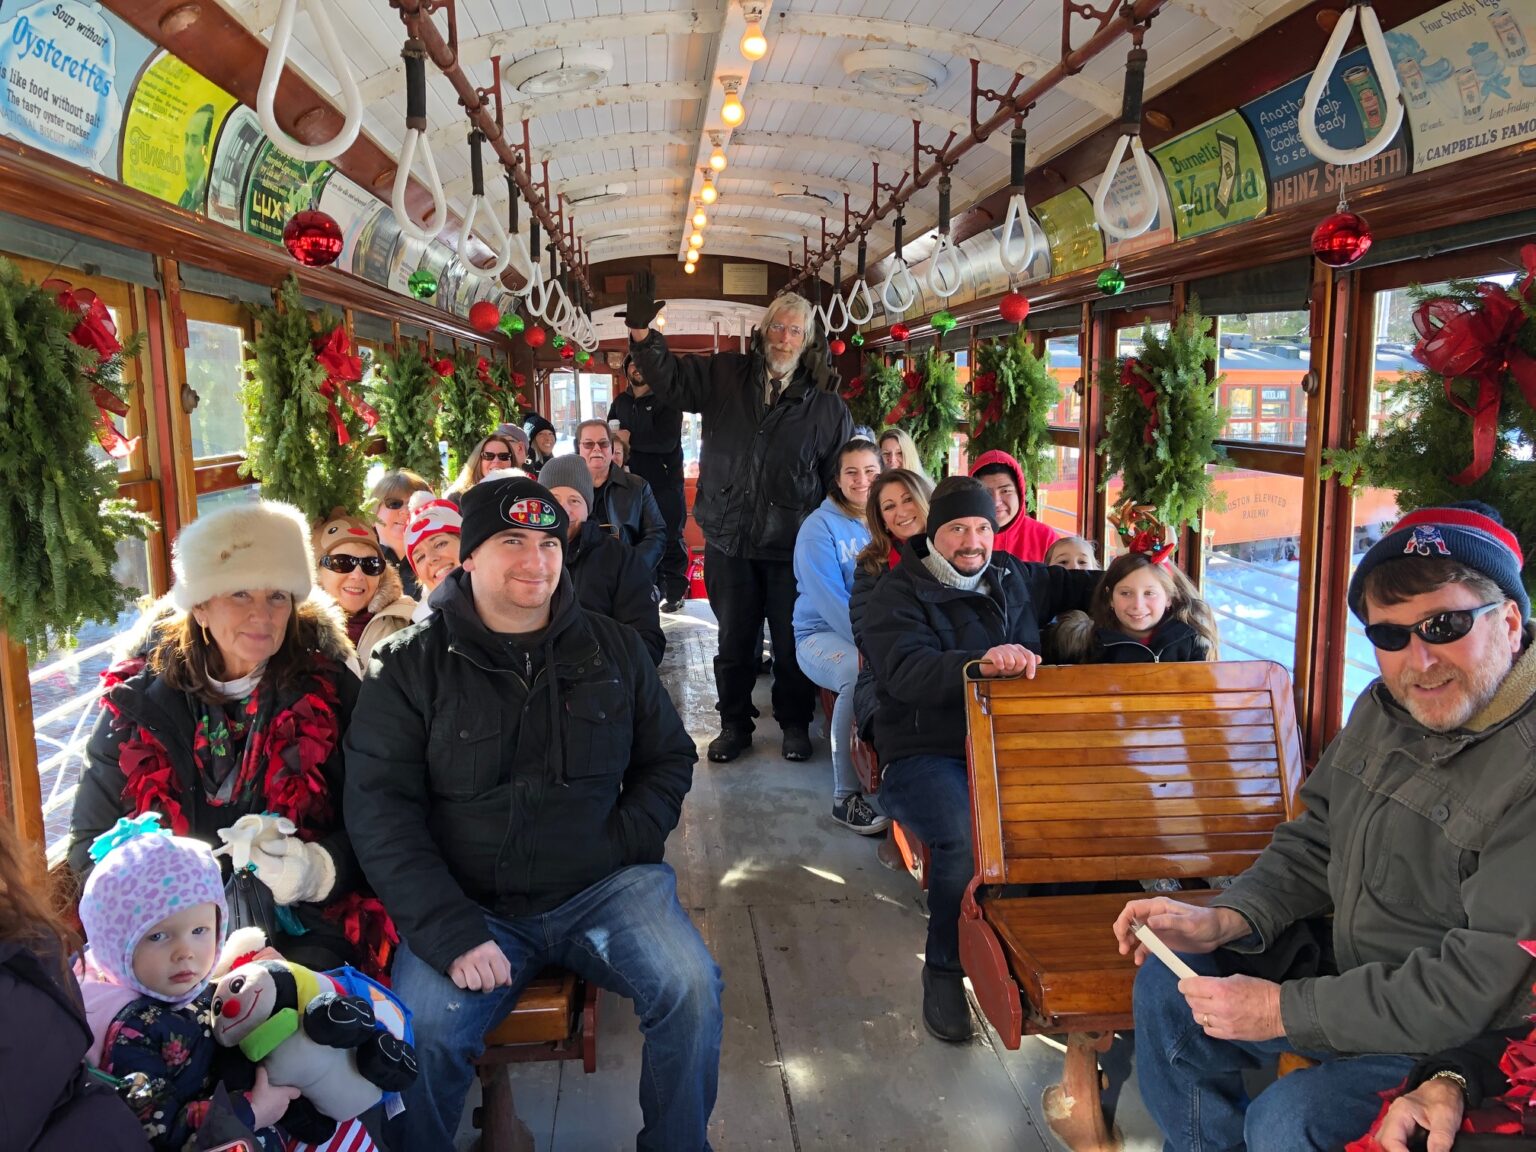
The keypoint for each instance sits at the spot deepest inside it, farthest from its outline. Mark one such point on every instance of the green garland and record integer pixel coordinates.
(1162, 421)
(467, 409)
(870, 396)
(932, 419)
(403, 393)
(1012, 398)
(1425, 441)
(507, 385)
(291, 441)
(60, 516)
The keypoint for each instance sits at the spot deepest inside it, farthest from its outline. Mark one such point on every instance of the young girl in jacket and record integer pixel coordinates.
(1145, 611)
(154, 914)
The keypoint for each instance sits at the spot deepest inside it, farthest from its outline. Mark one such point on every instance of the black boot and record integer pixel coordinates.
(734, 739)
(946, 1011)
(797, 743)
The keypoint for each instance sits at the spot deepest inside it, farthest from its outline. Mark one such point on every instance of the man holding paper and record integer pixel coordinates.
(1418, 837)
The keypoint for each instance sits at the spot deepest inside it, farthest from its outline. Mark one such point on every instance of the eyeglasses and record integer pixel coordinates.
(504, 457)
(593, 445)
(777, 329)
(1441, 628)
(371, 565)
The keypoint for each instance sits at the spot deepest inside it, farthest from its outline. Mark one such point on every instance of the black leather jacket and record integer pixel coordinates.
(626, 503)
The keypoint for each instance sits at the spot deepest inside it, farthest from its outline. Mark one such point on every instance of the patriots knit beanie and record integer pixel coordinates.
(498, 504)
(1470, 532)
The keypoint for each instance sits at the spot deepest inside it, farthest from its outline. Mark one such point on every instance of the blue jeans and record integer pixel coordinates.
(833, 663)
(627, 934)
(1193, 1085)
(931, 797)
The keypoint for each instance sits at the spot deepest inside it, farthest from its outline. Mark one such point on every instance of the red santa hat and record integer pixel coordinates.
(429, 517)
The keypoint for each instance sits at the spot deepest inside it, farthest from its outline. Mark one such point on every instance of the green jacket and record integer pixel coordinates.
(1422, 846)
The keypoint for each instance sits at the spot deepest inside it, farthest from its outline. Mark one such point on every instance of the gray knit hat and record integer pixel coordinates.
(569, 472)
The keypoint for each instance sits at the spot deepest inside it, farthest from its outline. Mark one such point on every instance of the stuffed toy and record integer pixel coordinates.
(308, 1034)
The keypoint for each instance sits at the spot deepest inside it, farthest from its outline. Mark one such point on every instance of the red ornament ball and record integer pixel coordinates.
(312, 238)
(900, 331)
(567, 351)
(484, 316)
(1341, 239)
(1014, 307)
(837, 346)
(534, 337)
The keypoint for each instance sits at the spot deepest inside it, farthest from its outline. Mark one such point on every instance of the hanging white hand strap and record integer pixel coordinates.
(1386, 75)
(834, 317)
(1144, 172)
(859, 297)
(416, 139)
(1015, 261)
(272, 75)
(945, 273)
(503, 246)
(900, 290)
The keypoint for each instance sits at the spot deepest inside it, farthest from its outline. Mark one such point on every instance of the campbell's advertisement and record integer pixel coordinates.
(1215, 176)
(64, 67)
(1351, 112)
(173, 120)
(1468, 73)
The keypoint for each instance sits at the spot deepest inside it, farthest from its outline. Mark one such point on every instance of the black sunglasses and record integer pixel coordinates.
(394, 505)
(1441, 628)
(371, 565)
(504, 457)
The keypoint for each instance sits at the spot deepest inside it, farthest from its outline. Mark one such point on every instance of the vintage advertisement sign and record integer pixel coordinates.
(173, 120)
(239, 141)
(1351, 113)
(278, 187)
(63, 68)
(1468, 72)
(1215, 176)
(1127, 201)
(1073, 237)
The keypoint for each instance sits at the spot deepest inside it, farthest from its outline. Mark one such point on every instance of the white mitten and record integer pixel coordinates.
(248, 831)
(295, 872)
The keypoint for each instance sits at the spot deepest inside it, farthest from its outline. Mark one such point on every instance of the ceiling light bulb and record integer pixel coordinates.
(696, 240)
(661, 320)
(693, 256)
(708, 193)
(690, 268)
(699, 218)
(754, 45)
(717, 159)
(731, 111)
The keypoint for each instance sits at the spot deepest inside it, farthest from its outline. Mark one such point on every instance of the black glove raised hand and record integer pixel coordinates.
(642, 305)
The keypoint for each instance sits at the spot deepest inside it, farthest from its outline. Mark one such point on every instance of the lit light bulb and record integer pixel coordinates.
(754, 45)
(693, 256)
(731, 111)
(708, 194)
(699, 219)
(717, 158)
(696, 240)
(690, 268)
(661, 320)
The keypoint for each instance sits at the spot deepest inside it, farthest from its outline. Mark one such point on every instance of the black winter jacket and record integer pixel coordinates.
(611, 580)
(655, 438)
(484, 776)
(626, 503)
(761, 471)
(1173, 642)
(865, 697)
(919, 634)
(51, 1103)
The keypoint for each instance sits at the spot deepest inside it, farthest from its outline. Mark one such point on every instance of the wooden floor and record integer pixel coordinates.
(821, 949)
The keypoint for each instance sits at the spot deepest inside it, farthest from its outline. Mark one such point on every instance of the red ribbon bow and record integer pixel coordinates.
(483, 374)
(1132, 376)
(96, 331)
(984, 386)
(334, 353)
(443, 367)
(909, 404)
(855, 389)
(1476, 341)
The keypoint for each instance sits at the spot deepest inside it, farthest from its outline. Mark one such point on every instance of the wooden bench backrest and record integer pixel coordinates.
(1131, 771)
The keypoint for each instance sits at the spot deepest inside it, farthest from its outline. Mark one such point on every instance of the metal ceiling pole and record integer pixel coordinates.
(418, 24)
(1132, 13)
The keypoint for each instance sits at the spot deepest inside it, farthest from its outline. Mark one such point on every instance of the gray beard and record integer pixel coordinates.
(781, 368)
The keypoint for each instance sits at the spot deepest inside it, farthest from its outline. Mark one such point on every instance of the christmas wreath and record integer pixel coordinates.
(1464, 427)
(305, 416)
(929, 407)
(403, 392)
(1012, 398)
(467, 410)
(870, 396)
(1162, 421)
(61, 369)
(504, 385)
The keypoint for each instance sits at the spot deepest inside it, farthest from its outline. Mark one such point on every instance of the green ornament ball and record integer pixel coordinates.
(857, 339)
(1111, 281)
(512, 324)
(423, 284)
(943, 321)
(558, 342)
(582, 356)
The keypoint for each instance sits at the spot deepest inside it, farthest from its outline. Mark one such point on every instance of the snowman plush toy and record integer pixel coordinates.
(309, 1034)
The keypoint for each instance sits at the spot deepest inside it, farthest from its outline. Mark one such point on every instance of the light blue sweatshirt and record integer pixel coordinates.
(829, 542)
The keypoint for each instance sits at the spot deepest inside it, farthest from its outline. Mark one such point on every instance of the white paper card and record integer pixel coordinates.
(1164, 953)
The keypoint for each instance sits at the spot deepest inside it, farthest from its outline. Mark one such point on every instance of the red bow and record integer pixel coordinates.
(483, 374)
(855, 389)
(1132, 376)
(334, 353)
(443, 367)
(96, 331)
(1478, 341)
(909, 404)
(986, 385)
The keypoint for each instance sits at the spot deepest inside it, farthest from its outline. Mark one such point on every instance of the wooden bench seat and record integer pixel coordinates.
(1108, 773)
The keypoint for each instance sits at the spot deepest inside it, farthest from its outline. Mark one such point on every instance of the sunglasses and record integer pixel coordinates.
(371, 565)
(1441, 628)
(394, 505)
(504, 457)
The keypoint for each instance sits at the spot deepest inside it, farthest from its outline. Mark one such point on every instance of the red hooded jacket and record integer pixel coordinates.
(1025, 538)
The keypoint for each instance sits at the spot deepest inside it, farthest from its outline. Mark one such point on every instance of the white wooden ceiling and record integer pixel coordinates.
(646, 125)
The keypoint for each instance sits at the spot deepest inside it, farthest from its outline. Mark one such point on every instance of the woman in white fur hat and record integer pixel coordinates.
(229, 700)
